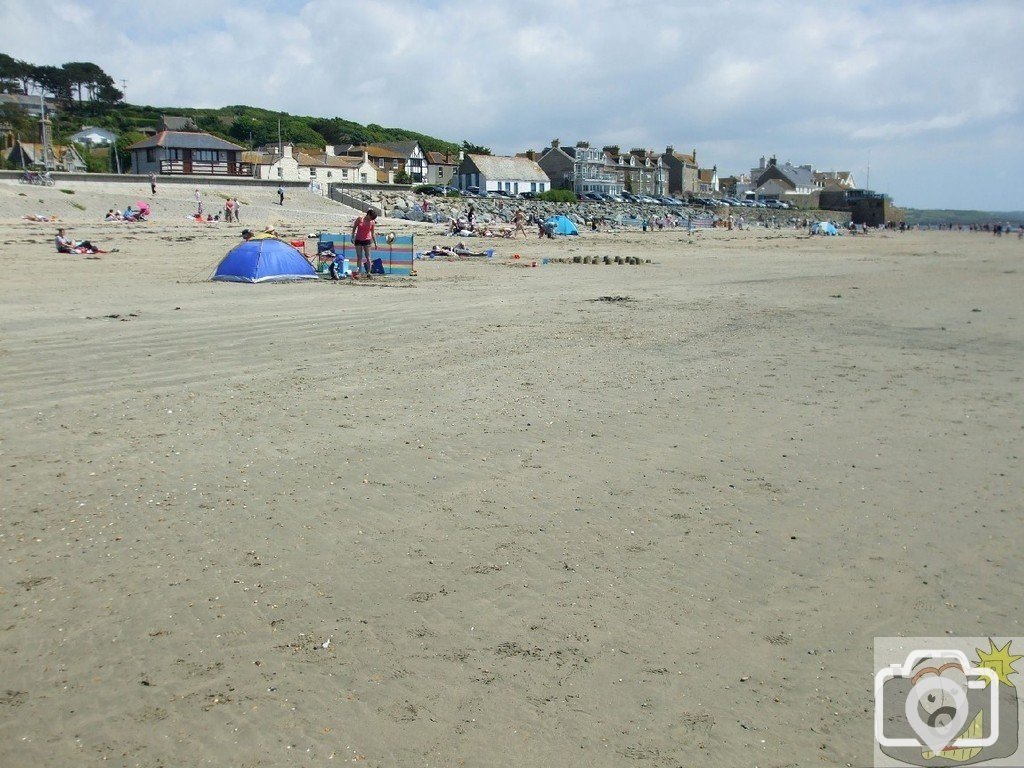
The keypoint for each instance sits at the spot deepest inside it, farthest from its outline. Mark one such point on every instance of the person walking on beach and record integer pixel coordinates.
(199, 202)
(229, 208)
(364, 237)
(280, 195)
(152, 182)
(520, 221)
(238, 211)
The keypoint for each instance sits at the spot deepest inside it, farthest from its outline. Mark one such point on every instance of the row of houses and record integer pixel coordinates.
(176, 146)
(609, 170)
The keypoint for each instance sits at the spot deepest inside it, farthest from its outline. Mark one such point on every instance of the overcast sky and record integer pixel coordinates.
(927, 94)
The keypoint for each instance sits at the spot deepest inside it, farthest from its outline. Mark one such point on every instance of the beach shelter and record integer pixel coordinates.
(263, 260)
(824, 228)
(560, 225)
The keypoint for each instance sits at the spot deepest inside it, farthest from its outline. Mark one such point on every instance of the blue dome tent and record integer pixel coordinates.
(560, 225)
(262, 260)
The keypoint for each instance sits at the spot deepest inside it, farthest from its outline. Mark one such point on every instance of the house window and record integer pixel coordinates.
(280, 172)
(362, 177)
(380, 163)
(150, 155)
(328, 174)
(312, 172)
(394, 164)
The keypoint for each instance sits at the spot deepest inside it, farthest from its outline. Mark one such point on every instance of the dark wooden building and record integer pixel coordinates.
(173, 152)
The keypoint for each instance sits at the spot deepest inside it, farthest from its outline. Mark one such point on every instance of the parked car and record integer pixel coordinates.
(431, 191)
(472, 192)
(528, 195)
(593, 197)
(629, 197)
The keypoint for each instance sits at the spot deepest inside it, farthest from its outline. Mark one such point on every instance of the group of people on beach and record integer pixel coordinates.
(467, 227)
(129, 214)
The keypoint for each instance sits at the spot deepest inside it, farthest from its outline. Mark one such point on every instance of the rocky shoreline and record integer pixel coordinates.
(495, 211)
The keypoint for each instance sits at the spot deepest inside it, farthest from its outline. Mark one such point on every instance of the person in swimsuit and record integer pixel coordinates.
(364, 238)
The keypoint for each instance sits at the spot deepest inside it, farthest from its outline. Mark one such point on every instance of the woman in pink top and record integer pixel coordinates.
(364, 238)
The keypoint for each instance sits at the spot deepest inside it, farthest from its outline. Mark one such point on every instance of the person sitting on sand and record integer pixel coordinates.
(112, 215)
(67, 245)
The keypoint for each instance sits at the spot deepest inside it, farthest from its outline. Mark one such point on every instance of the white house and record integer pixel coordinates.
(94, 137)
(327, 169)
(268, 163)
(323, 168)
(499, 173)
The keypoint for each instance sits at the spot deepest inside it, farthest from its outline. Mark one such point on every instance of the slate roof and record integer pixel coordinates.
(442, 158)
(404, 147)
(683, 158)
(511, 168)
(172, 123)
(179, 140)
(327, 161)
(378, 150)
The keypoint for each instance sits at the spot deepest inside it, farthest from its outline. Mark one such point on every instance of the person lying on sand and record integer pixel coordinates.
(438, 250)
(39, 217)
(458, 251)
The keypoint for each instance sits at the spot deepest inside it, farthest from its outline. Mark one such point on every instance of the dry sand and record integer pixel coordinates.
(482, 518)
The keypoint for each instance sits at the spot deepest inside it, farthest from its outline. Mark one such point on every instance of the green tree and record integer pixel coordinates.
(21, 122)
(84, 76)
(11, 71)
(124, 141)
(54, 81)
(474, 149)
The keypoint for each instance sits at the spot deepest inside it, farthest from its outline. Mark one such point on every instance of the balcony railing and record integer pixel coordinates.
(172, 167)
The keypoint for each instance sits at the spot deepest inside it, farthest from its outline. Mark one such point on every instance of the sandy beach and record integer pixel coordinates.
(486, 516)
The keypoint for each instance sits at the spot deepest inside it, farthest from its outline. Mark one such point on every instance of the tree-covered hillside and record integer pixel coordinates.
(86, 95)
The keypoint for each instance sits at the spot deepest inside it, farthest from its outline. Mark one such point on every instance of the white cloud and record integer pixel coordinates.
(824, 83)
